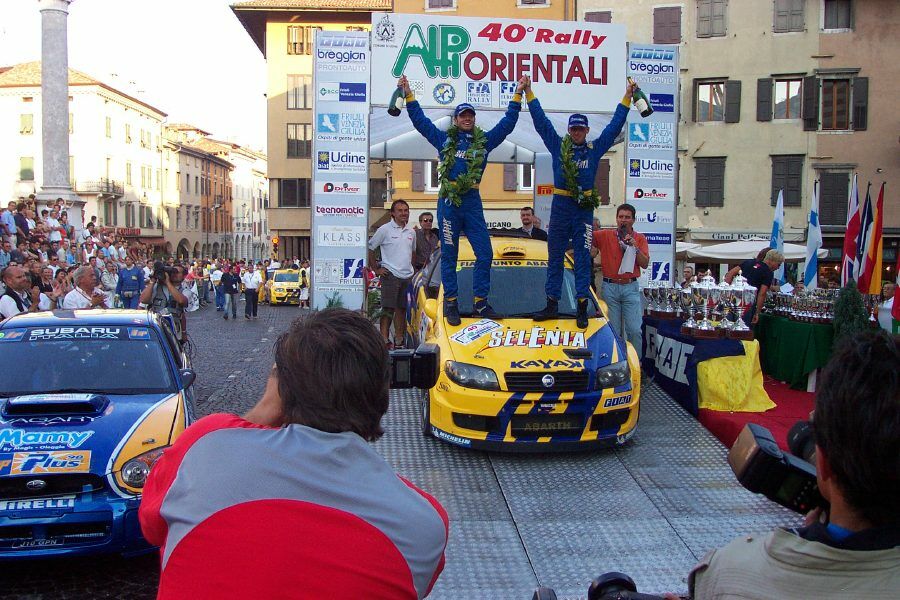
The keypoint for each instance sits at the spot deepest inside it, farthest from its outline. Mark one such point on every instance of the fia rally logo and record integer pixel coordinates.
(537, 337)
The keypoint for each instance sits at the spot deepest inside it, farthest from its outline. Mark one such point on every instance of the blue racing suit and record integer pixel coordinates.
(568, 221)
(130, 286)
(469, 215)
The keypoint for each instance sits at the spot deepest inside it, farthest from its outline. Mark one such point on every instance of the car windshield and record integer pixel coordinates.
(290, 277)
(517, 288)
(98, 359)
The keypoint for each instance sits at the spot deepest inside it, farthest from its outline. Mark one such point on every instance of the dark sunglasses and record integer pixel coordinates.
(427, 220)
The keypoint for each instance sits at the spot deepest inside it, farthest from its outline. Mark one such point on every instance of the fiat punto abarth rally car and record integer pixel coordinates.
(285, 287)
(515, 384)
(90, 401)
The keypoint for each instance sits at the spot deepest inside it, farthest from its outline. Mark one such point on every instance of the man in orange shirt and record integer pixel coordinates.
(621, 291)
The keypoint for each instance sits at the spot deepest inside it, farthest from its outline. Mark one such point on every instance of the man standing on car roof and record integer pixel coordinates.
(575, 162)
(463, 151)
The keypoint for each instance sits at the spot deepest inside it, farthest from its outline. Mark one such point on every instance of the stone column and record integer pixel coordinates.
(55, 108)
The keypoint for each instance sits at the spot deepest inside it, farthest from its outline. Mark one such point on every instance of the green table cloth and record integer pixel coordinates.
(791, 350)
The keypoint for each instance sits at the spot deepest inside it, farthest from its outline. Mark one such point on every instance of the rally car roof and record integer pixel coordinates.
(81, 318)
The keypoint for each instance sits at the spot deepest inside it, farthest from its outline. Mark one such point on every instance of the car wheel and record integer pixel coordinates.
(425, 414)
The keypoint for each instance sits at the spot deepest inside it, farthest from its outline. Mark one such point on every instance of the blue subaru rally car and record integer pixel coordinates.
(89, 400)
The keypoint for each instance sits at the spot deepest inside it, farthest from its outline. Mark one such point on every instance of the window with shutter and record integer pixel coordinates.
(709, 103)
(810, 103)
(711, 18)
(667, 25)
(440, 3)
(601, 181)
(833, 190)
(789, 16)
(377, 193)
(837, 14)
(525, 174)
(835, 104)
(764, 99)
(732, 101)
(787, 175)
(509, 177)
(710, 182)
(418, 176)
(432, 181)
(860, 103)
(604, 16)
(787, 98)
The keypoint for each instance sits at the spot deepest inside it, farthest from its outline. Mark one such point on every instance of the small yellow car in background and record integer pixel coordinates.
(285, 287)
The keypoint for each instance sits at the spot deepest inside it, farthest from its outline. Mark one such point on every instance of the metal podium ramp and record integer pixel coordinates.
(650, 509)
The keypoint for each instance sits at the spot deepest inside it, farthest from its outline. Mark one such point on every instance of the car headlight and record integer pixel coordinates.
(472, 376)
(136, 470)
(612, 375)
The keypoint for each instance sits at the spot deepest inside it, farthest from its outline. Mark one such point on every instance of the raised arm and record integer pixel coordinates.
(606, 138)
(422, 123)
(542, 124)
(506, 125)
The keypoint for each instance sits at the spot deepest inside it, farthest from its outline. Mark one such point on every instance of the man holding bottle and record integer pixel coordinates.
(575, 162)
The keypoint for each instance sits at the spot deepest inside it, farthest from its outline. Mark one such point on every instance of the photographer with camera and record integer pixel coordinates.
(292, 500)
(849, 548)
(164, 293)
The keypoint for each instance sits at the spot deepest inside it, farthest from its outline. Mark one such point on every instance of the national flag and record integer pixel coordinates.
(866, 220)
(872, 272)
(776, 240)
(813, 243)
(849, 253)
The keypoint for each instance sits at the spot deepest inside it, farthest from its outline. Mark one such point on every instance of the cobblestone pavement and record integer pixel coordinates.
(650, 509)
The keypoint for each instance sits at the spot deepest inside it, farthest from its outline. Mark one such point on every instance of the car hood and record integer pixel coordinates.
(524, 344)
(69, 442)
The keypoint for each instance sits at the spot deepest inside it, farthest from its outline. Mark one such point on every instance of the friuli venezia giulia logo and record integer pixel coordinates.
(439, 48)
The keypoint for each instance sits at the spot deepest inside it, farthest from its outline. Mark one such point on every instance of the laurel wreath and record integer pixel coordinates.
(585, 198)
(474, 157)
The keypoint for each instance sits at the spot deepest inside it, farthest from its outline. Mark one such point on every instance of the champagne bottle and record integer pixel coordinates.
(396, 102)
(641, 102)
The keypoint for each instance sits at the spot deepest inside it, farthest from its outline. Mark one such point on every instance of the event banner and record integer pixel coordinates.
(340, 143)
(574, 66)
(651, 155)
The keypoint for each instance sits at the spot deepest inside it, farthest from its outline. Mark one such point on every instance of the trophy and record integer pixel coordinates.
(707, 291)
(743, 295)
(647, 291)
(673, 296)
(686, 301)
(724, 306)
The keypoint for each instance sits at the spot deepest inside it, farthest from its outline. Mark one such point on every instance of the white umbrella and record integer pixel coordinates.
(681, 249)
(734, 252)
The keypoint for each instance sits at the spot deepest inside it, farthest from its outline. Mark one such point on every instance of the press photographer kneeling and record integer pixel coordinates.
(163, 294)
(850, 547)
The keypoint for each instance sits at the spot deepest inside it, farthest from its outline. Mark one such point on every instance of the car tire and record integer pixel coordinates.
(425, 414)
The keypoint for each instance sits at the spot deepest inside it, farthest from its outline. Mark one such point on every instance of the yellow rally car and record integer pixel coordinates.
(285, 288)
(515, 384)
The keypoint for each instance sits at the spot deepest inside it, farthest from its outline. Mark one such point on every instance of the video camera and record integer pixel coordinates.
(417, 368)
(761, 467)
(609, 586)
(161, 270)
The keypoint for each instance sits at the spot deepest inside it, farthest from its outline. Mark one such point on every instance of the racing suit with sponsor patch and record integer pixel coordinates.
(469, 216)
(568, 221)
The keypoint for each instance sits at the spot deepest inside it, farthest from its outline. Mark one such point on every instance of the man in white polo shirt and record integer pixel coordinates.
(397, 241)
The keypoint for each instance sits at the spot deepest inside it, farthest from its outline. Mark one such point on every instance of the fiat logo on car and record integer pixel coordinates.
(36, 485)
(548, 380)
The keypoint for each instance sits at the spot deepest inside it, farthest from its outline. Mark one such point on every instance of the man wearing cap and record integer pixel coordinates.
(575, 162)
(463, 151)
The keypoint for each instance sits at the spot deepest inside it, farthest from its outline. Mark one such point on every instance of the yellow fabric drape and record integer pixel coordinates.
(733, 383)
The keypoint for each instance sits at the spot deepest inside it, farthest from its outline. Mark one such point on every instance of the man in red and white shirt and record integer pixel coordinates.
(292, 500)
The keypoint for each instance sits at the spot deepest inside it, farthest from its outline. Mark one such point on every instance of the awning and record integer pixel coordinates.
(150, 240)
(395, 138)
(734, 252)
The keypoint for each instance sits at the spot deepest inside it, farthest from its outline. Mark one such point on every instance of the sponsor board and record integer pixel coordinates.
(661, 217)
(341, 236)
(340, 211)
(59, 461)
(575, 63)
(354, 270)
(537, 337)
(23, 439)
(479, 93)
(616, 401)
(341, 127)
(658, 238)
(346, 189)
(56, 502)
(669, 354)
(651, 136)
(546, 364)
(664, 103)
(470, 333)
(333, 91)
(336, 161)
(72, 333)
(660, 271)
(651, 168)
(653, 194)
(13, 335)
(341, 53)
(342, 273)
